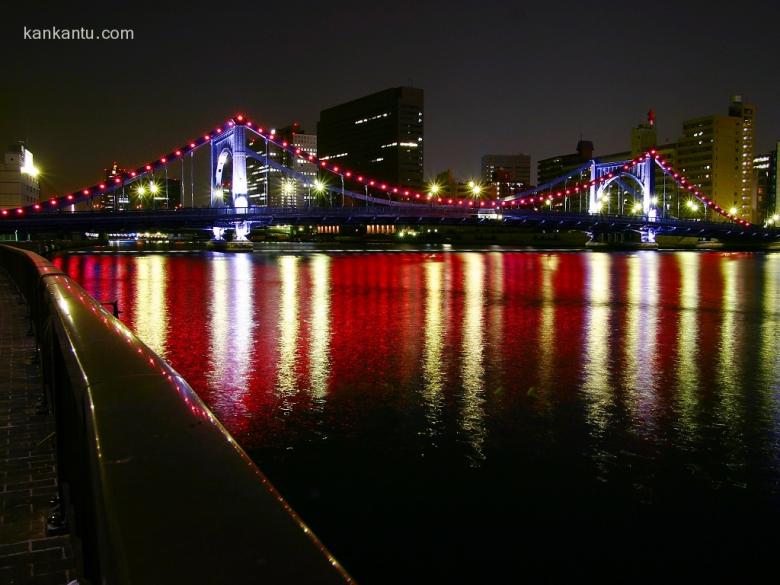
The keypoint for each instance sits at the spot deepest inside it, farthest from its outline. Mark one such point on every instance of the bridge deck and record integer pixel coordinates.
(28, 478)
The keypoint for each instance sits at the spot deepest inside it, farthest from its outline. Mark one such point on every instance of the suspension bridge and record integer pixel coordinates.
(597, 197)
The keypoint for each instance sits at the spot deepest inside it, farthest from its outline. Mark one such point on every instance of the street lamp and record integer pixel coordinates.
(319, 186)
(475, 189)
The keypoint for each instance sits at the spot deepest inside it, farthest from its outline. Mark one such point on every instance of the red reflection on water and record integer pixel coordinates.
(275, 343)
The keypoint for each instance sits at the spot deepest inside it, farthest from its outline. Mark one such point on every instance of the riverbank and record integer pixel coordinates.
(573, 241)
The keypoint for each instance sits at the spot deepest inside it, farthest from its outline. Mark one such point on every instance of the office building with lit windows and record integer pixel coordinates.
(506, 174)
(19, 183)
(766, 184)
(551, 168)
(715, 153)
(379, 135)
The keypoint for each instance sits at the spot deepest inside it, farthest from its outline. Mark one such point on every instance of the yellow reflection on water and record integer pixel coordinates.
(731, 329)
(288, 326)
(472, 368)
(319, 357)
(688, 341)
(769, 355)
(496, 312)
(151, 316)
(433, 349)
(643, 313)
(547, 333)
(596, 361)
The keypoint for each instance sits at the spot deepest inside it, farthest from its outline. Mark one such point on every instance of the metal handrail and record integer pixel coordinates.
(156, 490)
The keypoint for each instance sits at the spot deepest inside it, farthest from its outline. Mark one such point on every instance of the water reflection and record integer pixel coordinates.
(286, 383)
(547, 336)
(641, 334)
(731, 327)
(536, 376)
(319, 347)
(472, 370)
(149, 307)
(231, 308)
(433, 349)
(596, 383)
(687, 363)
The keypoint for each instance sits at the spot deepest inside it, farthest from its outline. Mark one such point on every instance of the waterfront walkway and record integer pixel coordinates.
(28, 478)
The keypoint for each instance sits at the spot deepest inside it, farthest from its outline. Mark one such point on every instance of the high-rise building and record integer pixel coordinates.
(765, 184)
(19, 184)
(746, 117)
(551, 168)
(715, 153)
(117, 200)
(379, 135)
(506, 173)
(267, 185)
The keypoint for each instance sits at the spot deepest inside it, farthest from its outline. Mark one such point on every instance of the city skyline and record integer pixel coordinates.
(507, 91)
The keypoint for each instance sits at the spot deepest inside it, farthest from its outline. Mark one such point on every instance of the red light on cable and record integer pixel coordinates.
(70, 197)
(192, 145)
(148, 167)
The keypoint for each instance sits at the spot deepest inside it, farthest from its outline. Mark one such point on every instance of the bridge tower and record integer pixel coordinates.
(230, 144)
(642, 174)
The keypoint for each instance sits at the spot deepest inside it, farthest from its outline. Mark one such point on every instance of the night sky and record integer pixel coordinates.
(499, 76)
